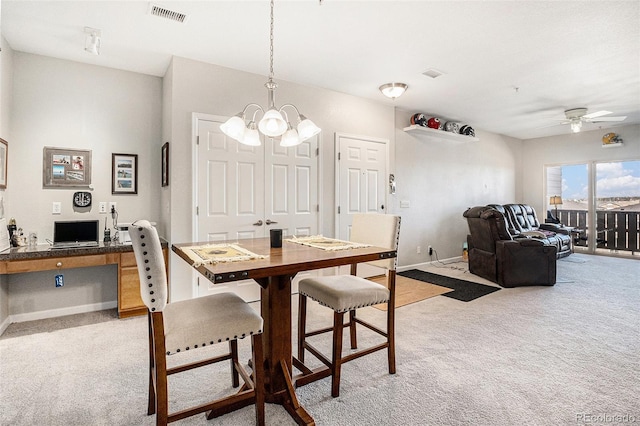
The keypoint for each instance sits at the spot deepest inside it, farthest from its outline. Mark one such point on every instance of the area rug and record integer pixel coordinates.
(464, 291)
(410, 291)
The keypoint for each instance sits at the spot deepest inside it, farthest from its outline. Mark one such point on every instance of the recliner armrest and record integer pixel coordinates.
(560, 229)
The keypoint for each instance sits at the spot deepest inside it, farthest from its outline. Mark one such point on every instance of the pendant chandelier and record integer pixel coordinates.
(275, 121)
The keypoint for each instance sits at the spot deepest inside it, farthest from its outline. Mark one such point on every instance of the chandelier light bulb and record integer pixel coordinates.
(272, 124)
(290, 137)
(234, 127)
(251, 136)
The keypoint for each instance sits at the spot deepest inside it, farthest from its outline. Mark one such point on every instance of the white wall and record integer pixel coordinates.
(211, 89)
(68, 104)
(6, 98)
(568, 149)
(441, 179)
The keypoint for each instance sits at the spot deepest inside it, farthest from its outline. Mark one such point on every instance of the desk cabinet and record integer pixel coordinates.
(130, 303)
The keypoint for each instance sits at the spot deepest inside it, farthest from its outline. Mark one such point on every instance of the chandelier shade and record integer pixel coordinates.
(272, 123)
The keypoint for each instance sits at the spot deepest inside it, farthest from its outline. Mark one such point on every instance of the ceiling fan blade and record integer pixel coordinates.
(602, 119)
(596, 114)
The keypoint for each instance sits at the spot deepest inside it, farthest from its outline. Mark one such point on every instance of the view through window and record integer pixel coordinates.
(601, 201)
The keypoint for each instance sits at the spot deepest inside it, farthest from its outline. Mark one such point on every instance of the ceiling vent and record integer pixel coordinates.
(433, 73)
(162, 12)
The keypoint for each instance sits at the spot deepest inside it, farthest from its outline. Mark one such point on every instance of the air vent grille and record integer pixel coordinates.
(162, 12)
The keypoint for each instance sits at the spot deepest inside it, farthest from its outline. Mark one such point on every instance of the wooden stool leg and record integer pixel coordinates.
(233, 350)
(336, 361)
(391, 327)
(151, 405)
(258, 376)
(302, 323)
(352, 329)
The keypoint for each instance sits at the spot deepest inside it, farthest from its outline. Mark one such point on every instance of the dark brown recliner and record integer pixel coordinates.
(495, 255)
(523, 221)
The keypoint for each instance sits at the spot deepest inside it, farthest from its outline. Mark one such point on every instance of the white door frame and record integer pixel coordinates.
(337, 137)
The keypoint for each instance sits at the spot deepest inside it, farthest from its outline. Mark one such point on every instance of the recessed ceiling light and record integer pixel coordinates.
(433, 73)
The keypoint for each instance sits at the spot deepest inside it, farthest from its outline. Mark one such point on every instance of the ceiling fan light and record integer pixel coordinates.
(576, 125)
(272, 124)
(234, 127)
(307, 128)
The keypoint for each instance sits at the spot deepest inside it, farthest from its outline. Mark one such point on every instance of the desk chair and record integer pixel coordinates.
(346, 293)
(191, 324)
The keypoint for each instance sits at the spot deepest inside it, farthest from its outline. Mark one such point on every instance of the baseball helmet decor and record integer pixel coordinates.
(611, 139)
(419, 119)
(452, 126)
(433, 123)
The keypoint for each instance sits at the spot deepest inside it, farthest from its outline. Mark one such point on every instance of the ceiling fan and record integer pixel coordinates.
(576, 116)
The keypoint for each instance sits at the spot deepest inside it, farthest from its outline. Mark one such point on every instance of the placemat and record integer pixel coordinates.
(217, 253)
(324, 243)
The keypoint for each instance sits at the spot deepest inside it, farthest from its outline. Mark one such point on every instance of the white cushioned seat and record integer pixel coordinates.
(208, 320)
(344, 292)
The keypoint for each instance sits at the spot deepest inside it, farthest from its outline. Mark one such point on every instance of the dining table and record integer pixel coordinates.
(273, 269)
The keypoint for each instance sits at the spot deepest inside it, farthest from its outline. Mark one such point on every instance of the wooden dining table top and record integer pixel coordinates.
(289, 259)
(274, 271)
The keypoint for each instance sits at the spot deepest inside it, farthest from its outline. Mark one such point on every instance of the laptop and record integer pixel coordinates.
(75, 234)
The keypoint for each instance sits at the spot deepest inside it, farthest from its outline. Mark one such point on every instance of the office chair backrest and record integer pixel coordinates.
(151, 267)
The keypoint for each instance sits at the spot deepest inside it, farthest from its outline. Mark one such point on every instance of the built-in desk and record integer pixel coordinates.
(18, 260)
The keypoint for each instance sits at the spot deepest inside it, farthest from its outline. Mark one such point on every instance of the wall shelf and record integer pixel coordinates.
(427, 131)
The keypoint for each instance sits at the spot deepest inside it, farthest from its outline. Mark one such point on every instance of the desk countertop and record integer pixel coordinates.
(43, 251)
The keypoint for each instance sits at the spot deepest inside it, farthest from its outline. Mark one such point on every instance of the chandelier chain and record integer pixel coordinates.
(271, 44)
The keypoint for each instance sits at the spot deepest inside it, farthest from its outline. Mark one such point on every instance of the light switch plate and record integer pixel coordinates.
(57, 207)
(405, 204)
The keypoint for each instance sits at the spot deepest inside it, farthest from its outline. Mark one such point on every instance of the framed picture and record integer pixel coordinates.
(65, 167)
(165, 164)
(4, 149)
(124, 170)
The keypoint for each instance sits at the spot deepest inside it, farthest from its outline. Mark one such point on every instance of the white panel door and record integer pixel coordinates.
(362, 171)
(243, 192)
(361, 185)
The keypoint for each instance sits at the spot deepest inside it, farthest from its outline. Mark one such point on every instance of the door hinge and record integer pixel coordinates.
(197, 211)
(317, 152)
(197, 140)
(338, 156)
(338, 209)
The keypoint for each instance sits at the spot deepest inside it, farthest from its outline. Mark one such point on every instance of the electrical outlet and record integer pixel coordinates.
(418, 250)
(430, 251)
(57, 207)
(103, 207)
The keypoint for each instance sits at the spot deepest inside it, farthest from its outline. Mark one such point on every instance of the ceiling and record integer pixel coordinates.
(509, 67)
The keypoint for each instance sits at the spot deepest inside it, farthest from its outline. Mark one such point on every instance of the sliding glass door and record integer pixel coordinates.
(600, 201)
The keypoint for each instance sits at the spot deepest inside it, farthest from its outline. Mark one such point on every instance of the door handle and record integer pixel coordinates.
(258, 223)
(270, 222)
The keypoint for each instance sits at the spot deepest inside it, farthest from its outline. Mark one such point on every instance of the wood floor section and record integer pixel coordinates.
(410, 291)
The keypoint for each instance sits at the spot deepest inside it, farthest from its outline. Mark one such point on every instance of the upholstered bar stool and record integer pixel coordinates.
(347, 293)
(191, 324)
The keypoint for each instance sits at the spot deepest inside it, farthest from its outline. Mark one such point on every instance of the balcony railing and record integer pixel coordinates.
(616, 229)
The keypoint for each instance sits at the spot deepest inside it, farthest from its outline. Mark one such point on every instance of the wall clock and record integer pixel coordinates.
(82, 199)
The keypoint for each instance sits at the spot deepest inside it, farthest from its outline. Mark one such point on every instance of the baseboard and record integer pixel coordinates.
(425, 264)
(52, 313)
(5, 324)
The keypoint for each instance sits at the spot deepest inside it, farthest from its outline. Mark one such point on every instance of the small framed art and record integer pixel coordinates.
(124, 170)
(64, 167)
(165, 164)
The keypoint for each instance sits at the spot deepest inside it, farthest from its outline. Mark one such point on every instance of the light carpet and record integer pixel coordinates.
(524, 356)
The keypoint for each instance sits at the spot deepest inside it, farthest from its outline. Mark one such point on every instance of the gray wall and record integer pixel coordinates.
(205, 88)
(6, 97)
(571, 148)
(67, 104)
(441, 179)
